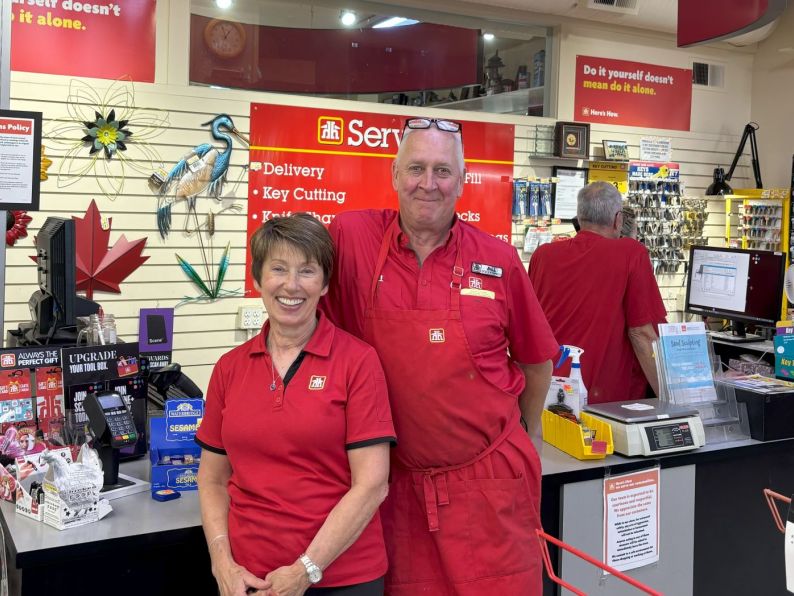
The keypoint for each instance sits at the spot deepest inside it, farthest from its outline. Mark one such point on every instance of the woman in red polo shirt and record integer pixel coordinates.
(295, 438)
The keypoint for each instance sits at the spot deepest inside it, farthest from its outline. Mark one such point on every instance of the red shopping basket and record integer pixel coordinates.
(544, 547)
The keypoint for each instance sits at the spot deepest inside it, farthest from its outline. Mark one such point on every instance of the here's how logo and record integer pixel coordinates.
(330, 130)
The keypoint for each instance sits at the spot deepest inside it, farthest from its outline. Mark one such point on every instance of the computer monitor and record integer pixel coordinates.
(56, 305)
(744, 286)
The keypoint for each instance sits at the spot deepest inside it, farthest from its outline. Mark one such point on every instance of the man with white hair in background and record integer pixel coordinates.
(599, 293)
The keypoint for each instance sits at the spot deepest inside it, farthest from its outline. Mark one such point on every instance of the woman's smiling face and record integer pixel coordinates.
(291, 287)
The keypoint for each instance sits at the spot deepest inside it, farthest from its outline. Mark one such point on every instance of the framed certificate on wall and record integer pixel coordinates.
(569, 181)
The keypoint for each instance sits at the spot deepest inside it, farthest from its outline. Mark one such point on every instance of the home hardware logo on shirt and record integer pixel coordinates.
(316, 383)
(330, 130)
(437, 336)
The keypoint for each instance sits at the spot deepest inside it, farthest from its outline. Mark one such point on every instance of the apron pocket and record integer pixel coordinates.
(501, 526)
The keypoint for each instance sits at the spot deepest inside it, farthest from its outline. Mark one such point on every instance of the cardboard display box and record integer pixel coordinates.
(172, 437)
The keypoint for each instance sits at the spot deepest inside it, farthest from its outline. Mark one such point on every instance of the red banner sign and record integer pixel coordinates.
(328, 161)
(632, 93)
(104, 40)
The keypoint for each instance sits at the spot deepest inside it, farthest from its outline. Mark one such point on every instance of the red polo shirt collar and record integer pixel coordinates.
(401, 241)
(319, 343)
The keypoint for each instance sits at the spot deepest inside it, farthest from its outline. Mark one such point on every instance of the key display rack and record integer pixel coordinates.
(658, 206)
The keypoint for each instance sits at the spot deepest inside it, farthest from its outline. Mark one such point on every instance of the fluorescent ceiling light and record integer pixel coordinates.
(488, 36)
(223, 3)
(348, 18)
(394, 22)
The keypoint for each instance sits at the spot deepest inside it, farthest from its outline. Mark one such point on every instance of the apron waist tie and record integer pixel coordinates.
(434, 481)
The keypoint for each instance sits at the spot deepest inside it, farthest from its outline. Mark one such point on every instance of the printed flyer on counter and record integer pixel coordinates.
(686, 362)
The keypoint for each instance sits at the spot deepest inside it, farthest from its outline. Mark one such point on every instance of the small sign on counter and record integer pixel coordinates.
(631, 519)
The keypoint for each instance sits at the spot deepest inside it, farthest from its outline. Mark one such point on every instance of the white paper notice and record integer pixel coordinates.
(569, 183)
(656, 149)
(16, 160)
(631, 519)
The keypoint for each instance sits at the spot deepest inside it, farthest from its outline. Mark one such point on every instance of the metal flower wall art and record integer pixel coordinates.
(105, 136)
(16, 226)
(45, 165)
(201, 171)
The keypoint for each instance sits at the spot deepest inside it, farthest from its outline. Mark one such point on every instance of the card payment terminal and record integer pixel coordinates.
(650, 427)
(109, 419)
(111, 423)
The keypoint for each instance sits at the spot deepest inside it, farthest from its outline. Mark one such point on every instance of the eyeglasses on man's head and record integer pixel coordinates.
(441, 124)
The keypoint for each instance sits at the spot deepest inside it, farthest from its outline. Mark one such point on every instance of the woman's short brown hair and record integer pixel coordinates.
(299, 231)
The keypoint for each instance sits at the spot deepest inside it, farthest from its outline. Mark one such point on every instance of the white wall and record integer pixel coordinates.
(713, 111)
(773, 89)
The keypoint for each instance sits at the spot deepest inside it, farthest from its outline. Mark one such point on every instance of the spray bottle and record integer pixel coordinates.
(576, 369)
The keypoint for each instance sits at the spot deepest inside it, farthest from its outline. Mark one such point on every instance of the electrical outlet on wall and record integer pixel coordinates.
(250, 317)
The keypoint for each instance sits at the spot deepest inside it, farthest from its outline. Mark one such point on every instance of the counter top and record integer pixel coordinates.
(138, 520)
(559, 467)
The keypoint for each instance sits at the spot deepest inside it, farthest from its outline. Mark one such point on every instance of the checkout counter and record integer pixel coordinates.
(716, 534)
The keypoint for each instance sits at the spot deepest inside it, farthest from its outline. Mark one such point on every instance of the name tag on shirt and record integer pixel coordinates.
(478, 292)
(488, 270)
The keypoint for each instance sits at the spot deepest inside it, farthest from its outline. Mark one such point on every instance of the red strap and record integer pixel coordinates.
(441, 489)
(431, 503)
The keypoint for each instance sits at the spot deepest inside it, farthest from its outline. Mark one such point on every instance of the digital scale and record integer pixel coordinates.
(650, 427)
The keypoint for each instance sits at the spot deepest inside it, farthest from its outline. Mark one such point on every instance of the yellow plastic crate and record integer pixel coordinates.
(567, 436)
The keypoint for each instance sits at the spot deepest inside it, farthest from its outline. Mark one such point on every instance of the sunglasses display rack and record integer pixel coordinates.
(657, 203)
(757, 219)
(761, 224)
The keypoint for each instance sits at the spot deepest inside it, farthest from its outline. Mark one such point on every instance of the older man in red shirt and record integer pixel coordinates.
(466, 351)
(599, 293)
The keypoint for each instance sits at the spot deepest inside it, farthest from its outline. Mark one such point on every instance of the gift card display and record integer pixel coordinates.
(15, 384)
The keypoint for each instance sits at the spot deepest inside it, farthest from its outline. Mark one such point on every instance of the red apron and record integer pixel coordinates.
(462, 508)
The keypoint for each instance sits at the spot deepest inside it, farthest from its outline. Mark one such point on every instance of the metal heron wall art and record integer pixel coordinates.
(202, 170)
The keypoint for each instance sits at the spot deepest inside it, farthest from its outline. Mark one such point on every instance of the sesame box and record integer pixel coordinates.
(173, 451)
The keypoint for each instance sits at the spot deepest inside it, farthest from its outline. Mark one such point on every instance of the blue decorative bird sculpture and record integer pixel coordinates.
(202, 170)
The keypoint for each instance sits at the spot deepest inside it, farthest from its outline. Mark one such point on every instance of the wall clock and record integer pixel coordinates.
(225, 39)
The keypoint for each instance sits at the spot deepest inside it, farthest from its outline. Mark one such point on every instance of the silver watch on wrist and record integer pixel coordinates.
(312, 570)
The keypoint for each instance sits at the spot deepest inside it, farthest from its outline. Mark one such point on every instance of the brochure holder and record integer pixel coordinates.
(544, 549)
(723, 418)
